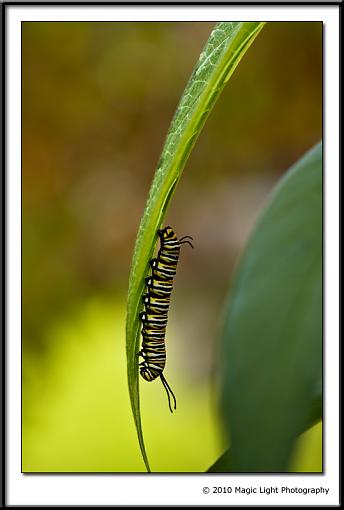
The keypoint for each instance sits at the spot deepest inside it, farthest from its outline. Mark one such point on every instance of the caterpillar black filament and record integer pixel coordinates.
(156, 303)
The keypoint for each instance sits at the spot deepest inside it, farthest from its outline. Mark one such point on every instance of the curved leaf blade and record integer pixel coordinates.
(226, 46)
(272, 337)
(224, 465)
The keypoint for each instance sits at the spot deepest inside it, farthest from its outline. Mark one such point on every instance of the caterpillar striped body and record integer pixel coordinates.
(156, 303)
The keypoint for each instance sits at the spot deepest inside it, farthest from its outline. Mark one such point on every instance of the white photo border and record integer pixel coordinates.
(116, 489)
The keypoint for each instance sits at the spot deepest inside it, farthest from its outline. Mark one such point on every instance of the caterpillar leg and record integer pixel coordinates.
(168, 391)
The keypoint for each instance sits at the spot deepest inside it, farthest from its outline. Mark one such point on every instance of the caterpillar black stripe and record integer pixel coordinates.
(156, 303)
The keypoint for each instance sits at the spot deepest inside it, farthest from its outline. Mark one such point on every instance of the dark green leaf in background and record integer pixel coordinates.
(224, 465)
(271, 364)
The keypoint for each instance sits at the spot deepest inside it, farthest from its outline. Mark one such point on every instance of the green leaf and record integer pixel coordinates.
(224, 465)
(272, 338)
(226, 46)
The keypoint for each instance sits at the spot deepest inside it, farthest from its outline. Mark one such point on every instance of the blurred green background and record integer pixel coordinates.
(98, 99)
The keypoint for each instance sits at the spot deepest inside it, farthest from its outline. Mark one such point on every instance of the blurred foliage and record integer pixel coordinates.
(94, 121)
(271, 353)
(307, 455)
(80, 417)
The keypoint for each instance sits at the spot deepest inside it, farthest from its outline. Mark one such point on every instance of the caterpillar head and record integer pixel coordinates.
(165, 233)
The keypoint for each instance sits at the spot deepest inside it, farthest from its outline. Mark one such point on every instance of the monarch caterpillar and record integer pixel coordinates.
(156, 303)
